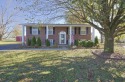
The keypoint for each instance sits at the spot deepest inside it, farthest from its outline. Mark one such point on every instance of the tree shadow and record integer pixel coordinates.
(57, 68)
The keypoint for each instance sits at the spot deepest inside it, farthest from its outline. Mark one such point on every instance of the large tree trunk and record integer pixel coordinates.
(0, 37)
(109, 43)
(101, 38)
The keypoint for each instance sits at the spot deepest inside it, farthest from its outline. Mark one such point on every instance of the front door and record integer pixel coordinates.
(62, 38)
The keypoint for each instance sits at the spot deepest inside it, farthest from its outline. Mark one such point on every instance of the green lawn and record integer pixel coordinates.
(58, 66)
(9, 42)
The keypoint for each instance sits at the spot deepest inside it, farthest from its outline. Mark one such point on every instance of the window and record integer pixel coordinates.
(51, 42)
(83, 31)
(50, 31)
(34, 31)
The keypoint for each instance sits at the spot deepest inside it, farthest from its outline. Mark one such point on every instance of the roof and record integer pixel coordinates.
(61, 25)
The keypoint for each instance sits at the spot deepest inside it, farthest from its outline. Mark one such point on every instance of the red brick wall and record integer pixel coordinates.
(78, 36)
(41, 35)
(56, 35)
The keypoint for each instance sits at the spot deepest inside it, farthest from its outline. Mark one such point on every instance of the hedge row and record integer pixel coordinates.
(86, 43)
(34, 42)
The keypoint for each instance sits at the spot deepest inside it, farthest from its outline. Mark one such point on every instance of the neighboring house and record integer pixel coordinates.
(60, 34)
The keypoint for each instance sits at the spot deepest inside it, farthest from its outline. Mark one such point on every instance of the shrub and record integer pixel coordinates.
(84, 43)
(96, 41)
(38, 42)
(80, 43)
(76, 42)
(47, 43)
(28, 42)
(90, 44)
(33, 41)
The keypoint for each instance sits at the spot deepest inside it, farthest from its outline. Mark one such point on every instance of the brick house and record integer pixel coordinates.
(60, 34)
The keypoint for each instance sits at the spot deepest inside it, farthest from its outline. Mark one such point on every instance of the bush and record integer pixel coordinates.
(90, 44)
(76, 42)
(96, 41)
(47, 43)
(84, 43)
(38, 42)
(28, 42)
(33, 41)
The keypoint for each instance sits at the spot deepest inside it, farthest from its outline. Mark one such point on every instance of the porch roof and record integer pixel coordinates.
(56, 25)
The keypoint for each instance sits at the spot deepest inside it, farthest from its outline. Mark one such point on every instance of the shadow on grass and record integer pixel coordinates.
(56, 68)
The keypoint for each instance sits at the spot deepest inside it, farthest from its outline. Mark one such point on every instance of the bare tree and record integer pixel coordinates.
(16, 31)
(45, 11)
(7, 18)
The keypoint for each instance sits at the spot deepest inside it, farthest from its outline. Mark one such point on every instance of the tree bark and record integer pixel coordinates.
(0, 37)
(109, 43)
(101, 38)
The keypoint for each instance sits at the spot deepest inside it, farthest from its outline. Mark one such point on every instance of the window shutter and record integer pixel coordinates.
(87, 30)
(75, 30)
(45, 30)
(53, 30)
(30, 30)
(67, 41)
(79, 29)
(38, 30)
(53, 41)
(67, 30)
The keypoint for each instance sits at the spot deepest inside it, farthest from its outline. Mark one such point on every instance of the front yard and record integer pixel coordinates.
(9, 42)
(59, 66)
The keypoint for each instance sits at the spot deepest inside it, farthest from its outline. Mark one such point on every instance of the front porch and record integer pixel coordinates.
(62, 34)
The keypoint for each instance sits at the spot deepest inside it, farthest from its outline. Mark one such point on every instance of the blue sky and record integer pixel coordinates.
(10, 5)
(22, 16)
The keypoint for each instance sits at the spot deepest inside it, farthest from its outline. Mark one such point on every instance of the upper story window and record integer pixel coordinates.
(50, 31)
(83, 31)
(35, 31)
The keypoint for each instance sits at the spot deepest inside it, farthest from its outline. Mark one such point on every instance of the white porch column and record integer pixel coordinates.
(47, 32)
(93, 34)
(23, 42)
(70, 35)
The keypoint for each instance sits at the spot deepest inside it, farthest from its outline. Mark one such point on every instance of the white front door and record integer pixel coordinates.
(62, 38)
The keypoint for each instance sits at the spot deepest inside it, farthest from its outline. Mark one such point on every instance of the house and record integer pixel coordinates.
(60, 34)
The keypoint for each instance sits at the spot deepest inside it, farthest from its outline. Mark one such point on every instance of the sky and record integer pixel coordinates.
(24, 17)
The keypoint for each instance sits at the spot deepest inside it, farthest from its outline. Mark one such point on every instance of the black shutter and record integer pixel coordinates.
(30, 30)
(75, 30)
(45, 30)
(53, 30)
(67, 30)
(38, 30)
(67, 41)
(87, 30)
(53, 42)
(79, 29)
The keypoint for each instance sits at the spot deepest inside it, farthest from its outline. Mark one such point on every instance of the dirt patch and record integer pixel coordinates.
(115, 56)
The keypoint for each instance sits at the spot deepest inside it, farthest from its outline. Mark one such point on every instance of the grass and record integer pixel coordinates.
(8, 42)
(58, 66)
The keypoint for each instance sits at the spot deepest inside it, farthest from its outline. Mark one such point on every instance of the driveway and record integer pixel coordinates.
(12, 47)
(9, 46)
